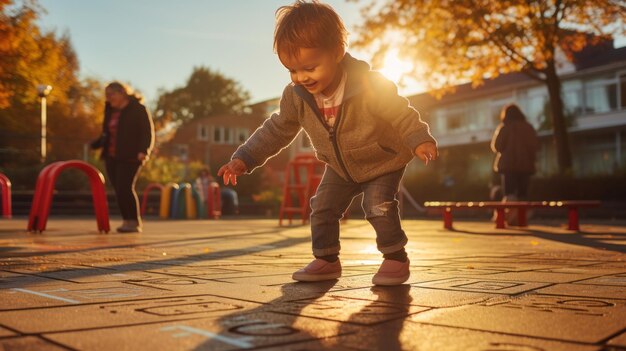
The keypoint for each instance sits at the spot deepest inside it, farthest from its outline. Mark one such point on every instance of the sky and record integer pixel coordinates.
(154, 44)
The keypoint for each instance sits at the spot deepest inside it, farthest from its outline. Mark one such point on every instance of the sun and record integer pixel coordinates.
(395, 68)
(400, 71)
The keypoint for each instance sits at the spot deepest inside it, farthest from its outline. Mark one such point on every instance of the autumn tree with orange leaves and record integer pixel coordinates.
(473, 40)
(30, 56)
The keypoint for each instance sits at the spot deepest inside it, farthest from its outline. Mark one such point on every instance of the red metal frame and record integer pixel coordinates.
(521, 206)
(5, 190)
(572, 215)
(447, 218)
(42, 199)
(144, 200)
(214, 201)
(303, 188)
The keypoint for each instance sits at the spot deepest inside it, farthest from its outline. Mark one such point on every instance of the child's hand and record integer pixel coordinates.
(427, 152)
(231, 170)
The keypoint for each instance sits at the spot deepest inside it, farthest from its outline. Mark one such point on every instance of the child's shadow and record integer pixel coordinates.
(384, 317)
(271, 324)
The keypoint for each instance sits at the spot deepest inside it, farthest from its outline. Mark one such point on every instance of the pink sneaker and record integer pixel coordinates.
(392, 273)
(318, 270)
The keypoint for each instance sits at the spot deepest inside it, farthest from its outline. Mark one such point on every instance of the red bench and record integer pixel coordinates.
(521, 206)
(5, 192)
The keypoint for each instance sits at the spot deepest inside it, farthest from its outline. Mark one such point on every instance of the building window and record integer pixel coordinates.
(572, 93)
(242, 135)
(454, 122)
(533, 102)
(601, 95)
(460, 117)
(203, 132)
(218, 135)
(228, 135)
(622, 90)
(182, 151)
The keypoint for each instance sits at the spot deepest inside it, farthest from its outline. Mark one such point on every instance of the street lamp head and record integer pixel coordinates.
(43, 90)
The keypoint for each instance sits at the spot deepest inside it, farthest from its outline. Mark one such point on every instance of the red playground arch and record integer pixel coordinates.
(146, 191)
(214, 201)
(5, 192)
(40, 208)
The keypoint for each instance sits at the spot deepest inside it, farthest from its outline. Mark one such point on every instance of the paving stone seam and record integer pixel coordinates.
(124, 301)
(137, 283)
(112, 326)
(53, 342)
(518, 294)
(508, 334)
(607, 339)
(9, 329)
(579, 296)
(596, 277)
(39, 336)
(43, 276)
(300, 341)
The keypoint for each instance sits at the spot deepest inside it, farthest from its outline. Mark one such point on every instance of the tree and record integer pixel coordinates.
(480, 39)
(28, 57)
(206, 93)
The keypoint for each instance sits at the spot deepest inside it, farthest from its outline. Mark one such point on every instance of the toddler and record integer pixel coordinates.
(358, 125)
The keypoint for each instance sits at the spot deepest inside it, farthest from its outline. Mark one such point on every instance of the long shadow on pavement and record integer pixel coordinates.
(272, 324)
(386, 335)
(140, 266)
(143, 244)
(575, 238)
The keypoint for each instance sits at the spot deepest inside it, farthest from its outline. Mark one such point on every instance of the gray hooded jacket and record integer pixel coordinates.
(375, 133)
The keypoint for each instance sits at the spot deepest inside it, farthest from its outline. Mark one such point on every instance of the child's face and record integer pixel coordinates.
(315, 69)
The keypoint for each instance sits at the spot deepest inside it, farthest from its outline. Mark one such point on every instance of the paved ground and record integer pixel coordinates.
(223, 285)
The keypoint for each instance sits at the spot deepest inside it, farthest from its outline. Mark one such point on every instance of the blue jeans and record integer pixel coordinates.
(380, 205)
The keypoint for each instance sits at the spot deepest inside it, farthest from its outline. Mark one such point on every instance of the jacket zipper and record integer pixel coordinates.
(332, 136)
(332, 133)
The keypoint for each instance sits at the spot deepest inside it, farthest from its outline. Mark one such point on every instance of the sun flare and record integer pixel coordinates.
(395, 68)
(400, 71)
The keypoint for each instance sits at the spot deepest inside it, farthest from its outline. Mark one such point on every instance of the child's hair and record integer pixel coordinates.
(125, 89)
(308, 25)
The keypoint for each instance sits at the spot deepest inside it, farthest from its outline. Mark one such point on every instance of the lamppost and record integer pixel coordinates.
(43, 91)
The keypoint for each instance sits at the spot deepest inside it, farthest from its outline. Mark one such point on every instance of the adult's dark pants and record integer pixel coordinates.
(123, 175)
(516, 183)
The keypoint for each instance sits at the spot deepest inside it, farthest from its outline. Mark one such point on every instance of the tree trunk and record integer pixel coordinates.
(561, 140)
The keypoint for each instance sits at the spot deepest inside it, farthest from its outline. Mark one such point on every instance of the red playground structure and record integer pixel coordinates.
(42, 199)
(5, 192)
(302, 177)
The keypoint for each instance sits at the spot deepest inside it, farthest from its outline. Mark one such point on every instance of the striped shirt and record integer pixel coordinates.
(329, 105)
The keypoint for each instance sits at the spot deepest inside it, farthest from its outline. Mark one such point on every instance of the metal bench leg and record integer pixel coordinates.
(521, 217)
(447, 218)
(500, 218)
(573, 218)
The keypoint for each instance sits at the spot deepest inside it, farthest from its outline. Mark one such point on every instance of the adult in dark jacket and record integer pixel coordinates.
(126, 141)
(515, 144)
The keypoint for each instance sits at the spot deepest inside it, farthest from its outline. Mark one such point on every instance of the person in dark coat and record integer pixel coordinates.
(126, 141)
(515, 144)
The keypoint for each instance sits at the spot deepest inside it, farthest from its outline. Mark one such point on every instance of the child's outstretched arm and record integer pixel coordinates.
(273, 135)
(231, 170)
